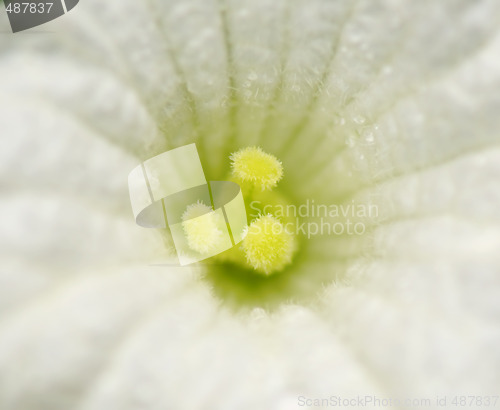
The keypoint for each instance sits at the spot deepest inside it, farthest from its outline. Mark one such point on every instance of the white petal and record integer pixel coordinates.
(393, 103)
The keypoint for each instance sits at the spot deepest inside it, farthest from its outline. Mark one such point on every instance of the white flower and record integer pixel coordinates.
(388, 103)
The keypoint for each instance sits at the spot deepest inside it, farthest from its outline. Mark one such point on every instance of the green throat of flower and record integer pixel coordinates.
(316, 153)
(275, 262)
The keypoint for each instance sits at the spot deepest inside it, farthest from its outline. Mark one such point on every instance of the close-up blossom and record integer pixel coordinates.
(364, 136)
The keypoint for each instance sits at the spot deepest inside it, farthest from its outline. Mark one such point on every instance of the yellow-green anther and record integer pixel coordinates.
(203, 228)
(255, 166)
(268, 246)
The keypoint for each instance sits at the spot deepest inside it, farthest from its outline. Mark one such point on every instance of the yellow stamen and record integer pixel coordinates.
(202, 228)
(253, 165)
(268, 246)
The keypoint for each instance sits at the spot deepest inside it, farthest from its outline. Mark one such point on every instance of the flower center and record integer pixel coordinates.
(286, 242)
(310, 175)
